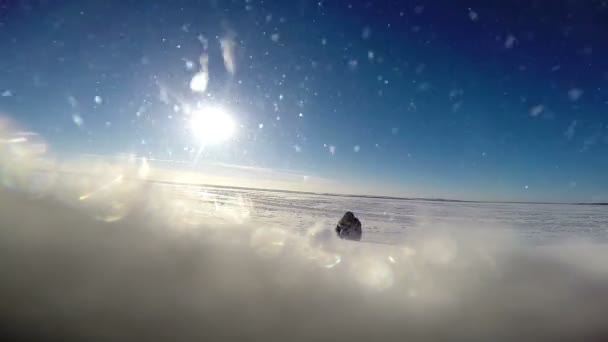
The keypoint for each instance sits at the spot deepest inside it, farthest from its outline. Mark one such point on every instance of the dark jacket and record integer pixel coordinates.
(349, 227)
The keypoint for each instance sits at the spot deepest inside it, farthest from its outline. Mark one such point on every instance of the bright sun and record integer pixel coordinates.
(211, 125)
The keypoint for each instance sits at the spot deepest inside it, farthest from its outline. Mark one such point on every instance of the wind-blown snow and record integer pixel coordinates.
(184, 263)
(94, 251)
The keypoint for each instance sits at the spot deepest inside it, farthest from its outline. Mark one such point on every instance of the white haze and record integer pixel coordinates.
(101, 254)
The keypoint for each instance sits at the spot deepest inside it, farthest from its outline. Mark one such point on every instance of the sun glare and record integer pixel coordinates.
(212, 125)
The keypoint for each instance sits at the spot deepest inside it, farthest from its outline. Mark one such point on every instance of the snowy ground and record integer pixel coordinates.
(395, 221)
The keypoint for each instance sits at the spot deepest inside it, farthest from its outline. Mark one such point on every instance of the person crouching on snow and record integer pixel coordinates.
(349, 227)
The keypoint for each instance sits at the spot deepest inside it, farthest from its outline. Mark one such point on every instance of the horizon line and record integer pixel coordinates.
(236, 187)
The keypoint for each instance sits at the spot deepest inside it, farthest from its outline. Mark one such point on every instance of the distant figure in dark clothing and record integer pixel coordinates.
(349, 227)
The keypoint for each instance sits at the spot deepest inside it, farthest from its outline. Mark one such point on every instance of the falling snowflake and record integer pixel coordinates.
(199, 81)
(473, 15)
(72, 101)
(366, 33)
(98, 99)
(370, 55)
(536, 110)
(575, 94)
(352, 64)
(189, 64)
(510, 41)
(77, 119)
(571, 130)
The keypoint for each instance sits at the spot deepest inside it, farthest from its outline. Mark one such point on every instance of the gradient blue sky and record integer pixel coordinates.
(488, 100)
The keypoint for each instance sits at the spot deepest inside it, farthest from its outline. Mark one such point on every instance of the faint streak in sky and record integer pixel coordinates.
(228, 46)
(569, 134)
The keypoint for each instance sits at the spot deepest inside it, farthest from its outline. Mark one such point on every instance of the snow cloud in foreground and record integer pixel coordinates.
(95, 251)
(161, 273)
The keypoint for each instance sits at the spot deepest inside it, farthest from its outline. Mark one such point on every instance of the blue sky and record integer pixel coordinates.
(429, 99)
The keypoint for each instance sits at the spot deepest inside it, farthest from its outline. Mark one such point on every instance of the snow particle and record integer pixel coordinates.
(569, 133)
(456, 106)
(575, 94)
(297, 148)
(366, 33)
(163, 96)
(189, 64)
(275, 37)
(526, 187)
(510, 41)
(473, 15)
(301, 115)
(420, 68)
(370, 55)
(72, 101)
(356, 148)
(332, 149)
(199, 82)
(201, 79)
(260, 126)
(536, 110)
(77, 119)
(203, 41)
(7, 93)
(352, 64)
(587, 50)
(98, 99)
